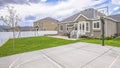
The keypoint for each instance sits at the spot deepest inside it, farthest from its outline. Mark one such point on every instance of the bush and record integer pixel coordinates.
(116, 35)
(108, 37)
(84, 36)
(68, 34)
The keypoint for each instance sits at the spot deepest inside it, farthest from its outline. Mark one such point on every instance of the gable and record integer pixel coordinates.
(81, 18)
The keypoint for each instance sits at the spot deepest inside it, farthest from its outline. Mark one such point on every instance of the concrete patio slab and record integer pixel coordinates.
(76, 55)
(64, 37)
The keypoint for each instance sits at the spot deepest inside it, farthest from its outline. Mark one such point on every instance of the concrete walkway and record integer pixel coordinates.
(63, 37)
(77, 55)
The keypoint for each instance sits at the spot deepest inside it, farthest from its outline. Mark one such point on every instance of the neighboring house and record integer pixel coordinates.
(46, 24)
(4, 28)
(17, 28)
(87, 22)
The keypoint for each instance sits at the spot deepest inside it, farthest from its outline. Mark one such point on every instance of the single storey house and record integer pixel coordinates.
(47, 23)
(87, 22)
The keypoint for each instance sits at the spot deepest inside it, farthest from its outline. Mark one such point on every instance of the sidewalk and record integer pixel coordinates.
(63, 37)
(76, 55)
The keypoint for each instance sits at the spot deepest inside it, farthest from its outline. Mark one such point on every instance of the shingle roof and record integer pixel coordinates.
(115, 17)
(71, 18)
(48, 19)
(89, 13)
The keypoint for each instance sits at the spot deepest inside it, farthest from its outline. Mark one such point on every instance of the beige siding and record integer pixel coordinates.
(81, 18)
(62, 32)
(97, 33)
(118, 28)
(50, 26)
(47, 25)
(110, 27)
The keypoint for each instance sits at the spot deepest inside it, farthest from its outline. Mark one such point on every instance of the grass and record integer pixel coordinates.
(114, 42)
(31, 44)
(42, 42)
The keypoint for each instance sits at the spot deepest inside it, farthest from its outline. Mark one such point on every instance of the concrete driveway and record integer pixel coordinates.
(76, 55)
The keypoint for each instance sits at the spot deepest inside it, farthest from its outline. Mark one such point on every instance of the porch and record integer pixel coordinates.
(79, 29)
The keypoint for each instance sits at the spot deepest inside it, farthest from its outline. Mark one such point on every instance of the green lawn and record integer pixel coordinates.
(42, 42)
(114, 42)
(31, 44)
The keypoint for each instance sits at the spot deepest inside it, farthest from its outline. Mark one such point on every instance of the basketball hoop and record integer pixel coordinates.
(101, 13)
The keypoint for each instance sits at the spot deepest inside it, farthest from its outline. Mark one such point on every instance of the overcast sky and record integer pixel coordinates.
(32, 10)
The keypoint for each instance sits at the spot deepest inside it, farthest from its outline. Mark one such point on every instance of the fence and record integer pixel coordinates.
(4, 36)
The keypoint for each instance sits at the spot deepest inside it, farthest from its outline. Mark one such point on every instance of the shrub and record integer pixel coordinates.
(108, 37)
(84, 36)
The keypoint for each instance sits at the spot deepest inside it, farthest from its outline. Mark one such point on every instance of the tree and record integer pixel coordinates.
(11, 20)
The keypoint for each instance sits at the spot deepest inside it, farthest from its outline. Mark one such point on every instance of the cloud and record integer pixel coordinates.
(116, 8)
(38, 9)
(6, 2)
(117, 2)
(43, 0)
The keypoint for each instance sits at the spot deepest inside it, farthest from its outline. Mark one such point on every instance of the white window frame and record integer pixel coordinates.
(88, 27)
(68, 27)
(99, 25)
(75, 25)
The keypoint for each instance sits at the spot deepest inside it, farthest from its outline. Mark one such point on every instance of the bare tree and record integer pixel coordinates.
(11, 20)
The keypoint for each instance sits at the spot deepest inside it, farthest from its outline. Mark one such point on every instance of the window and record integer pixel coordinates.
(87, 27)
(75, 26)
(61, 27)
(96, 24)
(69, 26)
(80, 26)
(83, 26)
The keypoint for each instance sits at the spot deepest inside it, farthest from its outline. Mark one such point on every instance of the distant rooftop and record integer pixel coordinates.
(48, 19)
(116, 17)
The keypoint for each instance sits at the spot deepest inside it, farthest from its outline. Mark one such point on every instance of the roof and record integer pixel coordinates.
(89, 13)
(71, 18)
(115, 17)
(48, 19)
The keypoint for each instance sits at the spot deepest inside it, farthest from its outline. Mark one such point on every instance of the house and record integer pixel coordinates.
(17, 28)
(117, 19)
(47, 23)
(4, 28)
(87, 22)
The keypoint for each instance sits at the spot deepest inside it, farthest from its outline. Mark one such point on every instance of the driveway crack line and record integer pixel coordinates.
(95, 58)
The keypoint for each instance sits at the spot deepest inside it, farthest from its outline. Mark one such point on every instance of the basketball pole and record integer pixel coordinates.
(103, 23)
(103, 30)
